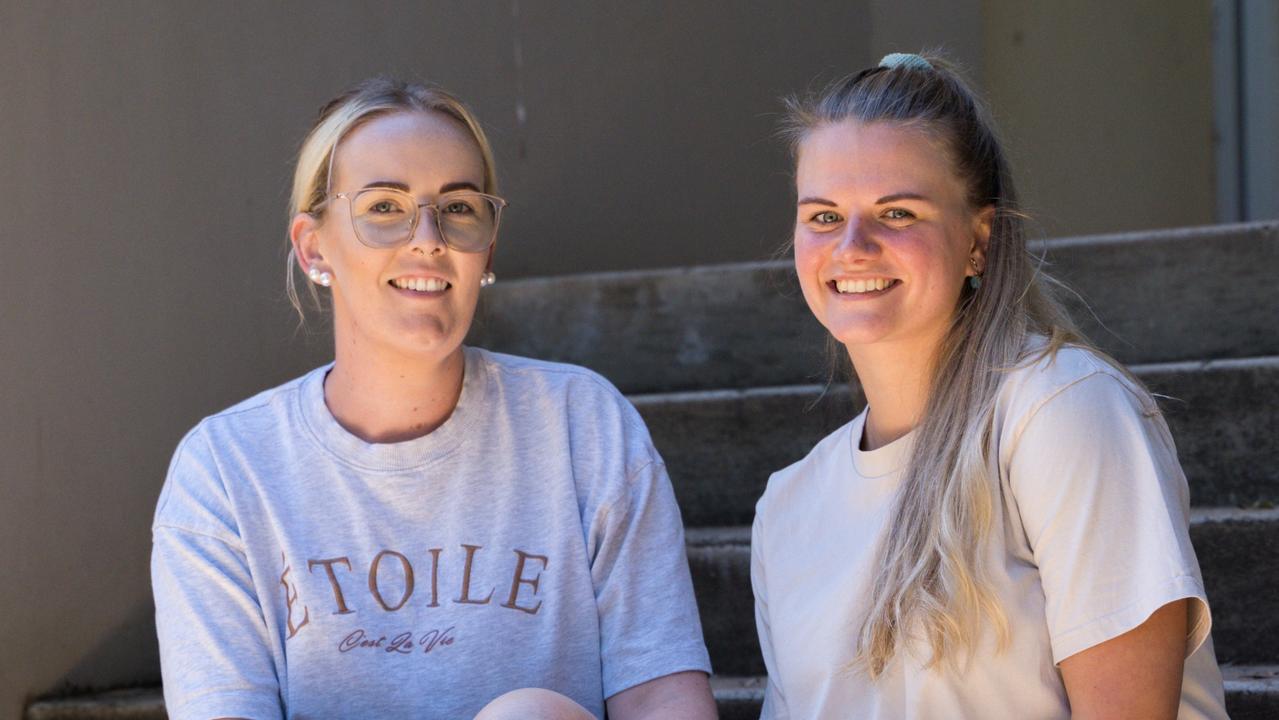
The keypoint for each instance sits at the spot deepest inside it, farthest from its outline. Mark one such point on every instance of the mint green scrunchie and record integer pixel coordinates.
(909, 61)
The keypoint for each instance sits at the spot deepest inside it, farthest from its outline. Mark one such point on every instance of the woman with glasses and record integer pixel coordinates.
(1003, 531)
(420, 529)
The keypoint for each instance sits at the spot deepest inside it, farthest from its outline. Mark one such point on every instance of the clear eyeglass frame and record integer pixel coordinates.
(466, 220)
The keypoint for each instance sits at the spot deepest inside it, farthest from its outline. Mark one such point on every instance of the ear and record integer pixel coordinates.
(305, 237)
(982, 223)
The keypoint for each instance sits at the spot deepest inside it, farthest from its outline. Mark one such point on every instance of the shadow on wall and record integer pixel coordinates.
(127, 656)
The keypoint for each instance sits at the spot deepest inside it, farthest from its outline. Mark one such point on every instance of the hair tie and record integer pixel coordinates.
(909, 61)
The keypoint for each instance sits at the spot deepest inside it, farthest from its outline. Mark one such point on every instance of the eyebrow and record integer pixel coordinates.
(816, 201)
(882, 201)
(448, 187)
(901, 196)
(387, 184)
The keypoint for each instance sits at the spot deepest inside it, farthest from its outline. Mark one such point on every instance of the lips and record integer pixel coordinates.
(862, 286)
(420, 284)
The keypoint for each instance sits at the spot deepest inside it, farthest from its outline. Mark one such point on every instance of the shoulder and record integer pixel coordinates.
(1075, 383)
(579, 392)
(195, 484)
(829, 458)
(545, 373)
(269, 408)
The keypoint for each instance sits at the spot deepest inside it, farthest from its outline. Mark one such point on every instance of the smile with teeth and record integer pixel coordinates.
(420, 284)
(862, 286)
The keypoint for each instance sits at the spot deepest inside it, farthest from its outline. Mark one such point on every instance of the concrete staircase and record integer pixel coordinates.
(726, 366)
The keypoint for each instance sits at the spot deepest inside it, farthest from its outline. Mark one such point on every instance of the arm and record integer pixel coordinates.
(1104, 507)
(679, 696)
(774, 703)
(1136, 675)
(215, 655)
(652, 654)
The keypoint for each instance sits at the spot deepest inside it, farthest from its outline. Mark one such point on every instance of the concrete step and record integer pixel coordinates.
(1252, 693)
(133, 704)
(1164, 295)
(1237, 550)
(720, 446)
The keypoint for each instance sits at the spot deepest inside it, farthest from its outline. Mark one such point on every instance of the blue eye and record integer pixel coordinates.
(898, 214)
(826, 217)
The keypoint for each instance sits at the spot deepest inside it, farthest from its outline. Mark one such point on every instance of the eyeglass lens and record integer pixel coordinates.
(385, 218)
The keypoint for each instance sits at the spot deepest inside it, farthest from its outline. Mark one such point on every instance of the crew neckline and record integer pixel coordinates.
(881, 461)
(346, 447)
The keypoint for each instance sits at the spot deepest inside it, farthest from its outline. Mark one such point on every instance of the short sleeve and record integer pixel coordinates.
(648, 619)
(215, 656)
(774, 703)
(1105, 509)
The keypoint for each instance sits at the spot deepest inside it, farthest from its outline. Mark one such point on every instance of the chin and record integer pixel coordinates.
(860, 333)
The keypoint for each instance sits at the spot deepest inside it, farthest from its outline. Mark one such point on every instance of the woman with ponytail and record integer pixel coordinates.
(1003, 532)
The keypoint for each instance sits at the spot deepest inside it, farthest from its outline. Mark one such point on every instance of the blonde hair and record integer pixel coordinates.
(930, 577)
(366, 101)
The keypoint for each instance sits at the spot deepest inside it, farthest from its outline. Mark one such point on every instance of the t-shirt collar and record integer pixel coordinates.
(886, 460)
(398, 456)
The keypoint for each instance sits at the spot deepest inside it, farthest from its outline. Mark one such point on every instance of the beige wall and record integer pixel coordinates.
(1107, 107)
(144, 154)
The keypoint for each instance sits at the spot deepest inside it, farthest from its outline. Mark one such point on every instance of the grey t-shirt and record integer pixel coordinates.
(532, 540)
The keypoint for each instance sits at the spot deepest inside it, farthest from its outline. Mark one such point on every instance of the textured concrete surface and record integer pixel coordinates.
(721, 446)
(727, 326)
(140, 704)
(1162, 296)
(1237, 551)
(1252, 693)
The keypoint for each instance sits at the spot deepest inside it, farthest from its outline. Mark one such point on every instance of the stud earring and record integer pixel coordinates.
(318, 277)
(487, 279)
(974, 281)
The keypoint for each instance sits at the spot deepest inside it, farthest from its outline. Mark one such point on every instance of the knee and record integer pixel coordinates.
(533, 704)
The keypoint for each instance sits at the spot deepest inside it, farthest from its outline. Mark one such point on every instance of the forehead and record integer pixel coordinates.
(419, 149)
(878, 156)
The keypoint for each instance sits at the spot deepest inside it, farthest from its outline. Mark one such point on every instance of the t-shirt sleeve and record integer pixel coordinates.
(648, 619)
(215, 656)
(774, 704)
(1105, 509)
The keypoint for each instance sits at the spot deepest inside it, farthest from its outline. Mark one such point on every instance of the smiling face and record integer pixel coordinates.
(884, 235)
(417, 299)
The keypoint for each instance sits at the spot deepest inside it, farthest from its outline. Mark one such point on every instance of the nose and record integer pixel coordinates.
(426, 235)
(857, 241)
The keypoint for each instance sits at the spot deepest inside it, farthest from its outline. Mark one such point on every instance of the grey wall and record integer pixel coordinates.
(1107, 108)
(145, 150)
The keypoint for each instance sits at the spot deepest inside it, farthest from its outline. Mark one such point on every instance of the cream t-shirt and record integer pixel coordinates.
(1089, 538)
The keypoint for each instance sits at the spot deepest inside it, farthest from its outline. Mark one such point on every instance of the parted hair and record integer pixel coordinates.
(363, 102)
(930, 579)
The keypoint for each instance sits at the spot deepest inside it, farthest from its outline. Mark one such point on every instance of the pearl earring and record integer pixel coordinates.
(319, 278)
(487, 279)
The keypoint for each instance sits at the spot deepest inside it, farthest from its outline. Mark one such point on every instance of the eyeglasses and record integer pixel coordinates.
(387, 218)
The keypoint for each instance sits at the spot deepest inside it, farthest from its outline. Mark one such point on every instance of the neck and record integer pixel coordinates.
(895, 377)
(383, 398)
